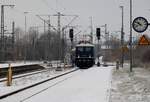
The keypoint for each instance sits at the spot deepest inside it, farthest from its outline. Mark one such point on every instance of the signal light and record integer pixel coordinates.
(98, 33)
(71, 34)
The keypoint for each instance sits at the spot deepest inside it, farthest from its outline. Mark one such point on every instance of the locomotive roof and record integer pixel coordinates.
(83, 44)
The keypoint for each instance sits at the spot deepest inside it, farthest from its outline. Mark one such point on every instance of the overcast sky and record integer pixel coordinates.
(102, 12)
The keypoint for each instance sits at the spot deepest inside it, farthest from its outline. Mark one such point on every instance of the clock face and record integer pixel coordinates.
(140, 24)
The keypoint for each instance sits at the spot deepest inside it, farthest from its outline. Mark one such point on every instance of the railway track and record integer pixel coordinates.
(24, 75)
(28, 74)
(35, 84)
(17, 70)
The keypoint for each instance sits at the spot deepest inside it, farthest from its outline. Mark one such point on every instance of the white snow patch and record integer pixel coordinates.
(89, 85)
(130, 87)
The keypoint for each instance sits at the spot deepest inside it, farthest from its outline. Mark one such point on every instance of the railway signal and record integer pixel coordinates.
(71, 38)
(98, 34)
(71, 34)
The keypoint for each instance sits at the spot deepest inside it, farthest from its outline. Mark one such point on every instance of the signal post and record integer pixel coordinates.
(98, 34)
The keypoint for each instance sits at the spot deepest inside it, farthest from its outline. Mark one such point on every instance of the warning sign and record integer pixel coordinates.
(143, 40)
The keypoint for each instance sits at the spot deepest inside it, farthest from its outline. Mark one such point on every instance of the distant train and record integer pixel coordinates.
(84, 55)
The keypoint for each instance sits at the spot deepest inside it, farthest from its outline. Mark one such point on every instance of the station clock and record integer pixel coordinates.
(140, 24)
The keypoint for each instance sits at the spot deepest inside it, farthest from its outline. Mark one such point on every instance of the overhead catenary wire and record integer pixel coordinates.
(48, 5)
(46, 22)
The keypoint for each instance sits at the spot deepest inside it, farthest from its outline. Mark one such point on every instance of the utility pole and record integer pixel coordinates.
(25, 23)
(25, 56)
(49, 24)
(106, 34)
(13, 39)
(131, 59)
(122, 37)
(2, 34)
(59, 26)
(49, 37)
(91, 21)
(13, 33)
(59, 34)
(106, 38)
(3, 46)
(44, 27)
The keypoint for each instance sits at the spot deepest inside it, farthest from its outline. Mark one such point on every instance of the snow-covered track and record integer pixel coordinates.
(20, 69)
(27, 74)
(36, 84)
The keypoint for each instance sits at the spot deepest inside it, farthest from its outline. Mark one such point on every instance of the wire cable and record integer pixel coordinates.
(48, 5)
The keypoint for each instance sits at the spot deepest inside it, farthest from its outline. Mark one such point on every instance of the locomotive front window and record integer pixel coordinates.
(88, 49)
(80, 49)
(84, 51)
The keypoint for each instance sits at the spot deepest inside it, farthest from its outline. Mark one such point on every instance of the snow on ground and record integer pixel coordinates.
(25, 74)
(89, 85)
(29, 80)
(130, 87)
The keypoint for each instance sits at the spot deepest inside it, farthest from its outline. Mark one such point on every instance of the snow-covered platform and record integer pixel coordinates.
(89, 85)
(130, 86)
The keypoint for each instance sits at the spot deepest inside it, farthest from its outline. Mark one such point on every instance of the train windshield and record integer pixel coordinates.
(88, 49)
(84, 49)
(80, 49)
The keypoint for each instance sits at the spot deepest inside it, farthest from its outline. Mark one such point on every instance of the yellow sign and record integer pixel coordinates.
(124, 49)
(143, 40)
